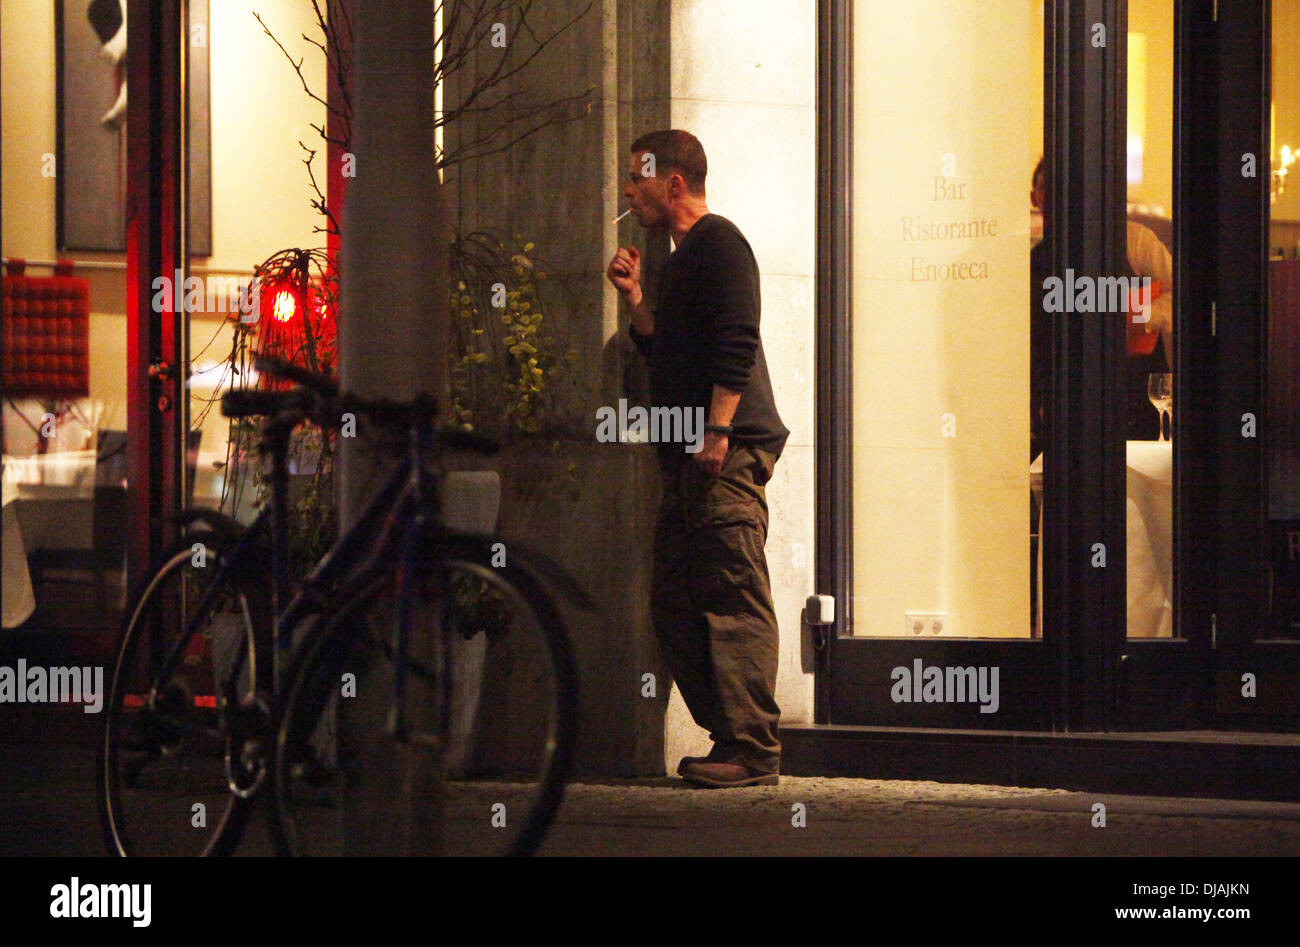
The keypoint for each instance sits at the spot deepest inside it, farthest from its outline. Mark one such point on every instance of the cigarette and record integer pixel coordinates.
(622, 215)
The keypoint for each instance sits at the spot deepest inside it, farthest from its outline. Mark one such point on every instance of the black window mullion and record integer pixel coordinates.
(834, 418)
(1244, 35)
(1195, 259)
(1084, 462)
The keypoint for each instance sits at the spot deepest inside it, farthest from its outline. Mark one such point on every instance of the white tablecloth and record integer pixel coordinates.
(65, 475)
(18, 599)
(1150, 537)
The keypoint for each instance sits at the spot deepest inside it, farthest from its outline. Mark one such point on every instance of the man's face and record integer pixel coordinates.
(1038, 196)
(647, 196)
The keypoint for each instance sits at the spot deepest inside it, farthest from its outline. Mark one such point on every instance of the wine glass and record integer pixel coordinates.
(1160, 392)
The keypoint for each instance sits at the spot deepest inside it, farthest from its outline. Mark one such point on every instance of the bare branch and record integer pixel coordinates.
(297, 67)
(465, 27)
(340, 41)
(320, 202)
(464, 154)
(499, 74)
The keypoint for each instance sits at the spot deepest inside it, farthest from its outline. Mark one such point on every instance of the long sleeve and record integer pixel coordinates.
(644, 343)
(1147, 256)
(732, 304)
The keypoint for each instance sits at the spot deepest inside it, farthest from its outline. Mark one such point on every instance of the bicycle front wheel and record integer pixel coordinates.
(491, 708)
(182, 751)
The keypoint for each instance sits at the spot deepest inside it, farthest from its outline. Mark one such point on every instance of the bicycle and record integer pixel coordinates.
(206, 707)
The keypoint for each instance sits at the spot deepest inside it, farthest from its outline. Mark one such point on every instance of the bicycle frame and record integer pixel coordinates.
(383, 509)
(394, 566)
(407, 498)
(309, 595)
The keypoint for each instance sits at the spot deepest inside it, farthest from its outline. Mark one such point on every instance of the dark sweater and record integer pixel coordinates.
(1142, 423)
(706, 333)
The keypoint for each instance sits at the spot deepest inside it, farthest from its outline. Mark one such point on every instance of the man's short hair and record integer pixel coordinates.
(679, 151)
(1038, 169)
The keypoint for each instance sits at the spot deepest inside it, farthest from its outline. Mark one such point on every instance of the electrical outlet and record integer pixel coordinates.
(919, 624)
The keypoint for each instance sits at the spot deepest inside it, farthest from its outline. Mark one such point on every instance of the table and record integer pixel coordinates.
(1150, 535)
(1150, 539)
(18, 599)
(64, 476)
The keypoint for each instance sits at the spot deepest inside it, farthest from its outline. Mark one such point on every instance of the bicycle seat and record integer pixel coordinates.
(245, 402)
(422, 410)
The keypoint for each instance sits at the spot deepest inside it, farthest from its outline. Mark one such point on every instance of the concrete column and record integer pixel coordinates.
(392, 342)
(561, 188)
(740, 75)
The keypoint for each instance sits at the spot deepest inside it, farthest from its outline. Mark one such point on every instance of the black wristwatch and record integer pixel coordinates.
(718, 429)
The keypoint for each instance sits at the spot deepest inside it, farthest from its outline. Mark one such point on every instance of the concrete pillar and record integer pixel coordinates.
(741, 75)
(392, 342)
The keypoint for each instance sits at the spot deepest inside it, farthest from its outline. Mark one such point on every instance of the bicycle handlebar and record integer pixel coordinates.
(320, 383)
(420, 411)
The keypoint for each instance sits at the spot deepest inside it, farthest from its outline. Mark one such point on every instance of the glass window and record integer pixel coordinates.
(1148, 366)
(948, 106)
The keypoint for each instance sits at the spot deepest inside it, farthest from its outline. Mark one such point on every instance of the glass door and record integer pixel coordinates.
(1257, 639)
(1168, 378)
(940, 604)
(1233, 660)
(1080, 580)
(67, 419)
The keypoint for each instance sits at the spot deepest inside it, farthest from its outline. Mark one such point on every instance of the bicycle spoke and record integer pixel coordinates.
(490, 731)
(164, 775)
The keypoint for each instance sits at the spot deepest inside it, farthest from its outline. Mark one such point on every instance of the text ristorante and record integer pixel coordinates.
(918, 228)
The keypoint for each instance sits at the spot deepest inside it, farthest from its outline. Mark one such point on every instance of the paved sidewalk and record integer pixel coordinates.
(891, 817)
(47, 807)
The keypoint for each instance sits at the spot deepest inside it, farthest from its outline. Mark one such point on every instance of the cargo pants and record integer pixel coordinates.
(711, 603)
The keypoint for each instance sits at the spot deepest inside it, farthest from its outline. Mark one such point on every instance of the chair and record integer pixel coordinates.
(109, 528)
(106, 556)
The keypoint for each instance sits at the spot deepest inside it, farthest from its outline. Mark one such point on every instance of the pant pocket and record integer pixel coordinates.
(729, 538)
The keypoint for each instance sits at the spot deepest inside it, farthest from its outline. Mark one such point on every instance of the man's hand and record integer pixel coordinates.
(713, 453)
(624, 271)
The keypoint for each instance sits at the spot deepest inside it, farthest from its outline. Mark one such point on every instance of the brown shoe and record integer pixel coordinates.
(724, 775)
(688, 761)
(715, 753)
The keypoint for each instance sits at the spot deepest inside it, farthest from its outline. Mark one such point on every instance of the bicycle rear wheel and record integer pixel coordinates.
(181, 752)
(492, 698)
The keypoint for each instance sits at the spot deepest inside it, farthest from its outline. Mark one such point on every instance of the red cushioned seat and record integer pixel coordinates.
(46, 336)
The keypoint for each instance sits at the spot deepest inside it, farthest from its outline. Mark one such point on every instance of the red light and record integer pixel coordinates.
(284, 306)
(137, 701)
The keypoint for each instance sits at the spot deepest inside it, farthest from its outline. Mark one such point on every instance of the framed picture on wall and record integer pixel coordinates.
(91, 97)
